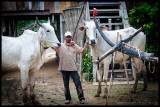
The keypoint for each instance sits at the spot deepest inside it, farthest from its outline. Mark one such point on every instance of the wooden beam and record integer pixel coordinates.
(25, 13)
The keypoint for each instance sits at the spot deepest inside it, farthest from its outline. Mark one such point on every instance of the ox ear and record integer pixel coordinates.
(81, 28)
(103, 28)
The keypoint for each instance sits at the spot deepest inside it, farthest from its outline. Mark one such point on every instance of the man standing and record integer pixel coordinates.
(67, 65)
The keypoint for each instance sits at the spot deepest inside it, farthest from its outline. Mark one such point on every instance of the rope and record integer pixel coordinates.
(150, 68)
(44, 45)
(137, 49)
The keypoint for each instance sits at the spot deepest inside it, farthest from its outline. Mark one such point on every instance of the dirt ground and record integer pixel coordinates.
(49, 90)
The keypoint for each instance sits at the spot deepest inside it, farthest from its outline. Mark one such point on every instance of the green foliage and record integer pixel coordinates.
(147, 14)
(23, 23)
(87, 65)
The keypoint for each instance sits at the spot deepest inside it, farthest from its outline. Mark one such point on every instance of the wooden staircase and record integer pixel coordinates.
(112, 15)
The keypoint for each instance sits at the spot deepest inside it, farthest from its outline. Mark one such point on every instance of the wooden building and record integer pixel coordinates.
(28, 10)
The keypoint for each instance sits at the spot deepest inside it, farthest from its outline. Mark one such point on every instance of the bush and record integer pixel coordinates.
(147, 14)
(87, 65)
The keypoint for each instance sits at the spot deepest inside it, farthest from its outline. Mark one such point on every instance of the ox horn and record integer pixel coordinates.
(38, 22)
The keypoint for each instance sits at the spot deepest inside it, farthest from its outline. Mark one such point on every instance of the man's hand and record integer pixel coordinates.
(87, 40)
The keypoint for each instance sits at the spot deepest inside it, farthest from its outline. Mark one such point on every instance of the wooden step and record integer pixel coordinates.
(111, 24)
(103, 3)
(107, 17)
(120, 70)
(122, 79)
(106, 10)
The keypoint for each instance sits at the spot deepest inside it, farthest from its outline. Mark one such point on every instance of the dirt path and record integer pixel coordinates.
(49, 89)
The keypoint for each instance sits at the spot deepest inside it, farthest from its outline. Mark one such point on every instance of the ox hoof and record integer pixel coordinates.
(105, 96)
(133, 91)
(97, 95)
(35, 102)
(27, 104)
(144, 89)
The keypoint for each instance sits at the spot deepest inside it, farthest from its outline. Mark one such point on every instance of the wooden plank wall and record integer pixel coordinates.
(49, 5)
(52, 6)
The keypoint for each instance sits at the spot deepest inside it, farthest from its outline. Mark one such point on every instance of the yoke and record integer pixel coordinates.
(120, 46)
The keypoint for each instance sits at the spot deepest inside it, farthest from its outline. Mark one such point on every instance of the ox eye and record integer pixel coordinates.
(48, 31)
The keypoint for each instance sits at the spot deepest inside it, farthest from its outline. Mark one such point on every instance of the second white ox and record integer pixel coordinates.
(23, 54)
(99, 46)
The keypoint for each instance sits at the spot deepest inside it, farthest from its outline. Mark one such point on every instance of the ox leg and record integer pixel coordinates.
(99, 78)
(136, 83)
(144, 76)
(137, 70)
(32, 84)
(24, 81)
(105, 77)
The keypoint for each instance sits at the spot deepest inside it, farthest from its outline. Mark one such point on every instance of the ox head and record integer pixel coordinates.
(90, 28)
(47, 34)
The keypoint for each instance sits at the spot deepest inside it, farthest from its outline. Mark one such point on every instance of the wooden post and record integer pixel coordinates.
(126, 73)
(10, 28)
(15, 28)
(62, 28)
(124, 14)
(87, 12)
(109, 22)
(111, 80)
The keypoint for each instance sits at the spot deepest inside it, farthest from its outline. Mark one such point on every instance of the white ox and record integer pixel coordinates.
(23, 53)
(99, 46)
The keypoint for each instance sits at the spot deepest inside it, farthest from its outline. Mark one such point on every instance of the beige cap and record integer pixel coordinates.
(68, 33)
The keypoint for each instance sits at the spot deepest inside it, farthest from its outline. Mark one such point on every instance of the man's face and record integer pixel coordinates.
(68, 39)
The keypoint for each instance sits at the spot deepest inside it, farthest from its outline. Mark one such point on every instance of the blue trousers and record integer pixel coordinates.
(76, 80)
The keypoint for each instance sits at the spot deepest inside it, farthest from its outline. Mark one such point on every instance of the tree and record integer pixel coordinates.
(147, 14)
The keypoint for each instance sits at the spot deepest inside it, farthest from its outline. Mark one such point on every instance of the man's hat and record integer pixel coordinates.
(68, 33)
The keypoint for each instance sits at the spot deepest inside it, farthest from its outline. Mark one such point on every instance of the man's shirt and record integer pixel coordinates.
(67, 55)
